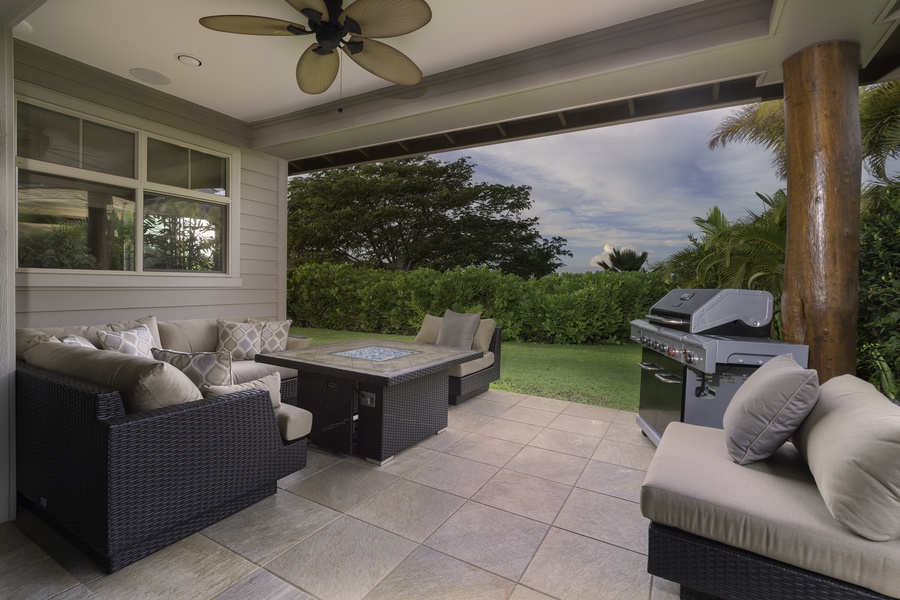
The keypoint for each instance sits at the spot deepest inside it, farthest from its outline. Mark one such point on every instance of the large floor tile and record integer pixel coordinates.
(402, 463)
(442, 441)
(195, 567)
(485, 449)
(665, 590)
(566, 442)
(271, 526)
(594, 428)
(466, 420)
(604, 518)
(511, 431)
(60, 549)
(492, 539)
(429, 574)
(532, 416)
(452, 474)
(573, 567)
(524, 593)
(316, 461)
(483, 406)
(626, 418)
(408, 509)
(344, 561)
(625, 454)
(587, 411)
(262, 584)
(630, 434)
(524, 495)
(548, 404)
(26, 571)
(343, 486)
(547, 464)
(499, 396)
(612, 480)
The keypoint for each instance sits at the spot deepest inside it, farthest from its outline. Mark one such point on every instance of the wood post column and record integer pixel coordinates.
(824, 168)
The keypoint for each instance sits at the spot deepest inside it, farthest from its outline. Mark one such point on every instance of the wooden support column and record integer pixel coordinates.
(824, 160)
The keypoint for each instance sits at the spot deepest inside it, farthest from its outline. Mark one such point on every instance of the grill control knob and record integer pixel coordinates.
(664, 348)
(688, 357)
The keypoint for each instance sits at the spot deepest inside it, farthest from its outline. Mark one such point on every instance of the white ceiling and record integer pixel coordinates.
(252, 77)
(484, 61)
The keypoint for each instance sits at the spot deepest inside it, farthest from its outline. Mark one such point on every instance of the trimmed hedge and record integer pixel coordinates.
(567, 308)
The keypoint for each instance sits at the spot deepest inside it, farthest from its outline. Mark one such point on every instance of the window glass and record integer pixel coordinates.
(208, 173)
(48, 136)
(67, 223)
(183, 235)
(108, 150)
(168, 164)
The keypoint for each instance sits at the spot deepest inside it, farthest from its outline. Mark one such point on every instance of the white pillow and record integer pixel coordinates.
(136, 342)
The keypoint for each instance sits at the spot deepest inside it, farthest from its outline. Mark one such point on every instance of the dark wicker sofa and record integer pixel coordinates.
(469, 386)
(121, 486)
(815, 519)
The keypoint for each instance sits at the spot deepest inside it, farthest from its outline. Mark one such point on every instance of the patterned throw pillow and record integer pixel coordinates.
(203, 368)
(77, 340)
(137, 341)
(274, 335)
(241, 339)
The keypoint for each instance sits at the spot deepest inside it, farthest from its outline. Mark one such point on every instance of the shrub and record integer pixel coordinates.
(567, 308)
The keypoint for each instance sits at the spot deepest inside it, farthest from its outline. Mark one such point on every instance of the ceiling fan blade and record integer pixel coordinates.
(387, 18)
(250, 25)
(318, 6)
(384, 61)
(316, 72)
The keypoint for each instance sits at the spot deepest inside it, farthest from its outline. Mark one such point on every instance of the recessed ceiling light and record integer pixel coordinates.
(150, 76)
(191, 61)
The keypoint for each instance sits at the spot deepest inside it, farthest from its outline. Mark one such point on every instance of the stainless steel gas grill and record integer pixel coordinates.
(699, 346)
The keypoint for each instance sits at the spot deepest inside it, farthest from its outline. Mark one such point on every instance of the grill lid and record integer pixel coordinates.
(715, 312)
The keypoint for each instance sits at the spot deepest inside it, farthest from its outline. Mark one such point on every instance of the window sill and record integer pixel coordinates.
(93, 279)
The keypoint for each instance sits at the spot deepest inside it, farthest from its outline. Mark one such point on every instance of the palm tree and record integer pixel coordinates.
(625, 259)
(761, 123)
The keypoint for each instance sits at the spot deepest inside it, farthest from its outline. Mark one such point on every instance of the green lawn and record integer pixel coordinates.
(599, 375)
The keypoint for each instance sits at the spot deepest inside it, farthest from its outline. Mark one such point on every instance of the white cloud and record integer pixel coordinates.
(634, 185)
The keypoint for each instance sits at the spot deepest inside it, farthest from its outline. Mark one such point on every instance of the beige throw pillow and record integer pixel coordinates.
(144, 384)
(137, 342)
(271, 383)
(202, 368)
(458, 329)
(851, 442)
(767, 409)
(428, 332)
(241, 339)
(273, 336)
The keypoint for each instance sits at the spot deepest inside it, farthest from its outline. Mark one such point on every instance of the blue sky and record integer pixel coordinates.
(636, 185)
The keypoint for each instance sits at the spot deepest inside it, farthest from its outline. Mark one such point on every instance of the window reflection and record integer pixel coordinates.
(183, 235)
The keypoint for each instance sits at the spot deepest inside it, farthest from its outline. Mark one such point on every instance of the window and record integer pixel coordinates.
(104, 197)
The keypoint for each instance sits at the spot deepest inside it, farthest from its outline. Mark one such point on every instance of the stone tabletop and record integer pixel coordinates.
(384, 361)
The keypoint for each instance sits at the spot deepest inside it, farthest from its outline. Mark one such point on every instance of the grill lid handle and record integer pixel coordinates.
(666, 320)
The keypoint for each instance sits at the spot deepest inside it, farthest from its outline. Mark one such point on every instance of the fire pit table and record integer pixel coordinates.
(372, 397)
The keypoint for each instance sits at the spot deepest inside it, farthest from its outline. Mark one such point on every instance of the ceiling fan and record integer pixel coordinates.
(351, 29)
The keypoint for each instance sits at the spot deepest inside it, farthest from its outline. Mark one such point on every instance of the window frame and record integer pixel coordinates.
(143, 130)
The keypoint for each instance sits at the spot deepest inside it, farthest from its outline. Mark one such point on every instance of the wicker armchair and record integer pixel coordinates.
(122, 486)
(469, 386)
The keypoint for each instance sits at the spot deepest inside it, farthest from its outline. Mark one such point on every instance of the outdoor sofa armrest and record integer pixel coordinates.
(126, 485)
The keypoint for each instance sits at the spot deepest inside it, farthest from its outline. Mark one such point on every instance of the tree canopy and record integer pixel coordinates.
(416, 212)
(626, 259)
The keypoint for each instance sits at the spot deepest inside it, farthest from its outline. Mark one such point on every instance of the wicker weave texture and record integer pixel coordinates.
(464, 388)
(709, 569)
(123, 485)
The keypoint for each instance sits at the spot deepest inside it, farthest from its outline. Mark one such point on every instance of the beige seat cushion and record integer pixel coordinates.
(144, 384)
(293, 422)
(248, 370)
(473, 366)
(771, 507)
(270, 383)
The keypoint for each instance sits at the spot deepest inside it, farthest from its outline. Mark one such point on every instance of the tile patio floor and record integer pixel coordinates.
(522, 498)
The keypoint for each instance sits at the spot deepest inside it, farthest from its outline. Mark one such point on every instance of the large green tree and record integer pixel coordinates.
(416, 212)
